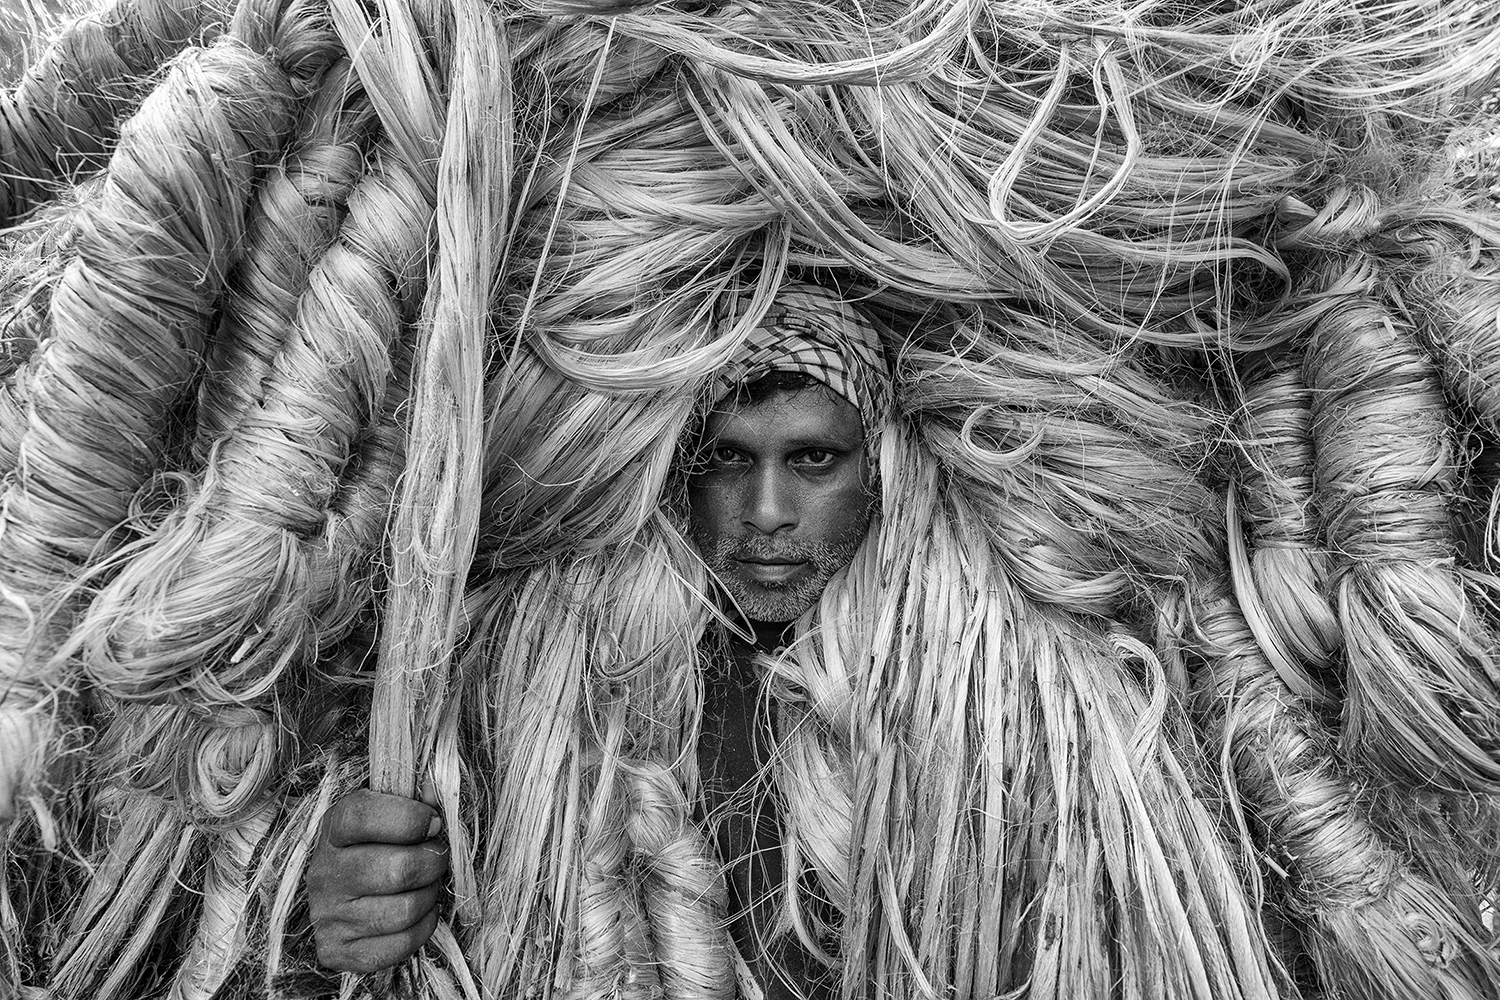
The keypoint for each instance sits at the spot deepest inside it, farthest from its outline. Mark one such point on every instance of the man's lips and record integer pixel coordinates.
(770, 570)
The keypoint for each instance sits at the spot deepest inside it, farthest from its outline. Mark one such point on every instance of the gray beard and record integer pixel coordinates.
(778, 602)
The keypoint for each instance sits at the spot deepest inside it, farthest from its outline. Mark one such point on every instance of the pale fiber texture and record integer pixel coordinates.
(349, 355)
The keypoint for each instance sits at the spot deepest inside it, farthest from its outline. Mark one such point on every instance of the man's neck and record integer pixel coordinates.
(767, 637)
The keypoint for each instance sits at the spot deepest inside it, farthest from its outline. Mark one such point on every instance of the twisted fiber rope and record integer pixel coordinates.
(219, 767)
(1421, 681)
(129, 317)
(112, 346)
(682, 889)
(1288, 569)
(1374, 925)
(212, 767)
(216, 769)
(295, 219)
(35, 255)
(244, 872)
(225, 595)
(62, 115)
(223, 924)
(357, 516)
(615, 954)
(207, 777)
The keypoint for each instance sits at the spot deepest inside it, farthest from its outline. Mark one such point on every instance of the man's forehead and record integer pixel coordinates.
(811, 415)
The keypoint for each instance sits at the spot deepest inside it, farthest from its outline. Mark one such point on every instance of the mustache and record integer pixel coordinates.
(767, 549)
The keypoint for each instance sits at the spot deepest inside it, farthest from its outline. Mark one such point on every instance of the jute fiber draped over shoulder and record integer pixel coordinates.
(351, 354)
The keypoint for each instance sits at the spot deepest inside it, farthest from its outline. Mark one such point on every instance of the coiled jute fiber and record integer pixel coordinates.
(353, 355)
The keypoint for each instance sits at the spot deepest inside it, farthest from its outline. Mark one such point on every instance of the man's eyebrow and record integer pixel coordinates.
(827, 442)
(803, 442)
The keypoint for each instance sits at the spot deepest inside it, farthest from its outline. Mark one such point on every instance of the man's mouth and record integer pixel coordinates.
(770, 571)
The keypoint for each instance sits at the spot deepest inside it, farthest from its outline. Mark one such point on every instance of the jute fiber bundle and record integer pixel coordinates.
(1421, 684)
(35, 257)
(223, 769)
(60, 118)
(114, 362)
(1445, 280)
(1367, 916)
(1283, 594)
(593, 855)
(355, 396)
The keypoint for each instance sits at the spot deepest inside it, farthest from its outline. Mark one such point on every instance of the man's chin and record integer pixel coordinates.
(774, 605)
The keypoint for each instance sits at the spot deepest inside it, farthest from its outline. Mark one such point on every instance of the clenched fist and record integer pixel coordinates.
(375, 880)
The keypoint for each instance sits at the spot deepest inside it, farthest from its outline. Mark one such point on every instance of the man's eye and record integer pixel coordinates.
(816, 458)
(721, 457)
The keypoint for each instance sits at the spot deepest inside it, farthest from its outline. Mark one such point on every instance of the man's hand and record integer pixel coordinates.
(375, 880)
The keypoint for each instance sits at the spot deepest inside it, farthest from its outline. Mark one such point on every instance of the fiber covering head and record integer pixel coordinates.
(810, 330)
(782, 490)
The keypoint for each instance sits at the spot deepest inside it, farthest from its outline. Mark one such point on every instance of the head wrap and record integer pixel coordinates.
(813, 331)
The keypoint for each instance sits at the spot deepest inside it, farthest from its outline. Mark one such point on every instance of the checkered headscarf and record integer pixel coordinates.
(813, 331)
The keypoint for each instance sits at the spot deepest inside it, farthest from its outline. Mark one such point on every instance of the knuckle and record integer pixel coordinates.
(416, 867)
(407, 910)
(402, 870)
(375, 918)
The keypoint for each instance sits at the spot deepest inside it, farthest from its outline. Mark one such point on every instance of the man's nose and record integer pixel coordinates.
(770, 506)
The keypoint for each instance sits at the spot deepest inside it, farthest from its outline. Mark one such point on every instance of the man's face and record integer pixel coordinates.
(781, 498)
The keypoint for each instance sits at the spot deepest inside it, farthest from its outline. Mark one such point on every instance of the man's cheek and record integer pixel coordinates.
(709, 508)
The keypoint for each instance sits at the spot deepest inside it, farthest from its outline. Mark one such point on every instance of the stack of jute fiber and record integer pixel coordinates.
(350, 352)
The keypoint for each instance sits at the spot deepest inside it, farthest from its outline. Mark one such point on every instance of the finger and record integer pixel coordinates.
(371, 954)
(378, 916)
(386, 869)
(366, 817)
